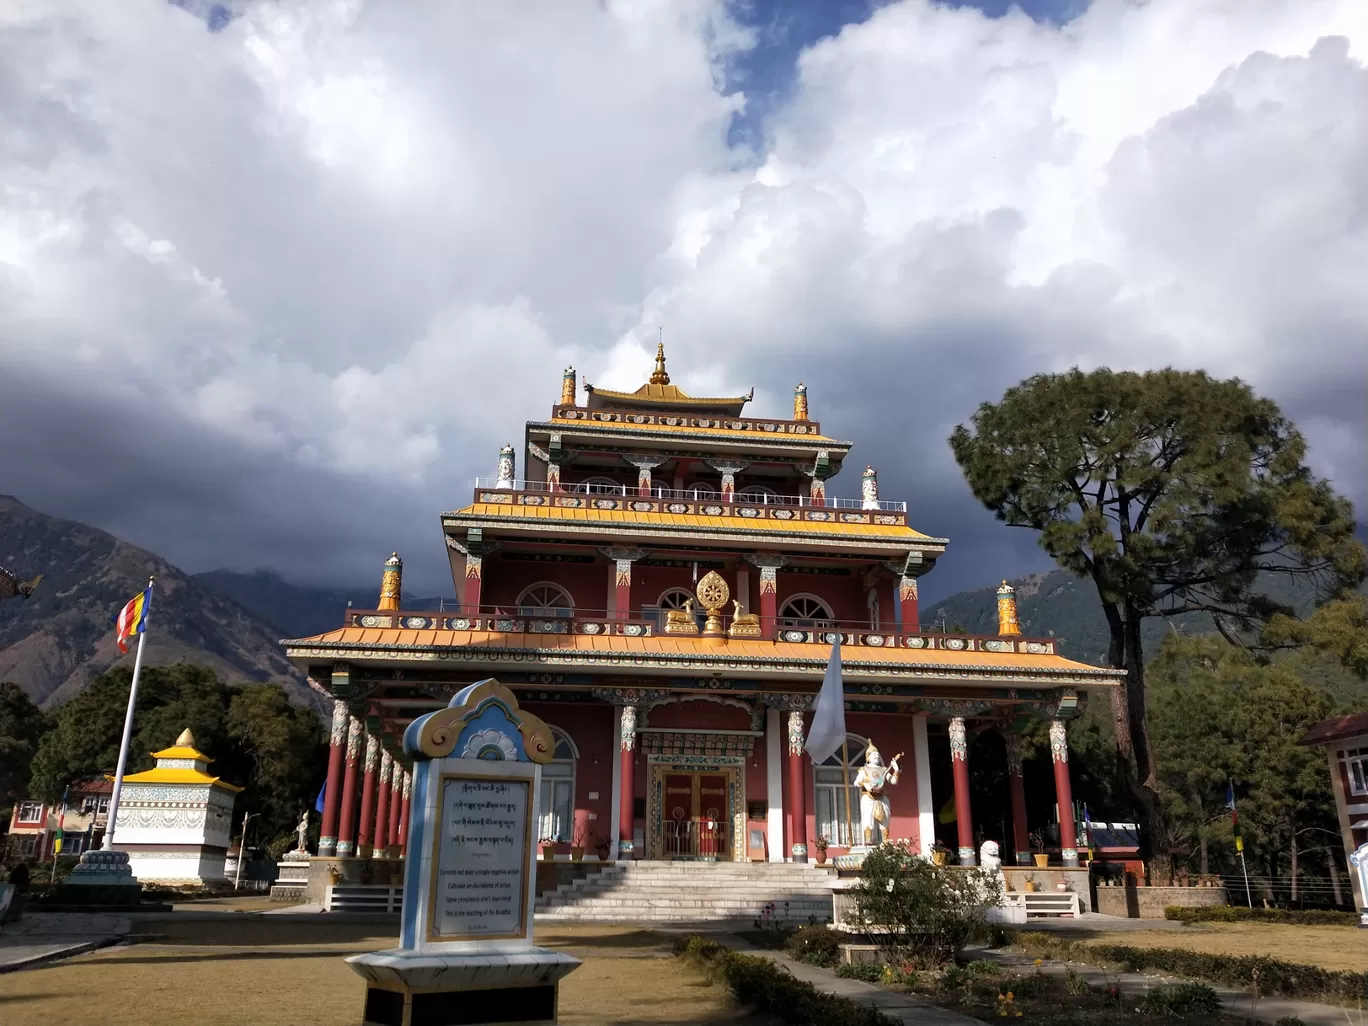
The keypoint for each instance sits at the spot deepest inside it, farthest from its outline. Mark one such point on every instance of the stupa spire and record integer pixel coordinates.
(660, 377)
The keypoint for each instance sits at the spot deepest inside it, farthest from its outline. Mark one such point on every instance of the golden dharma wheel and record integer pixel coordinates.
(712, 592)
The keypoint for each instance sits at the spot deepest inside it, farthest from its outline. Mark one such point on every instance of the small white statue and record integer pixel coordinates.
(874, 805)
(303, 831)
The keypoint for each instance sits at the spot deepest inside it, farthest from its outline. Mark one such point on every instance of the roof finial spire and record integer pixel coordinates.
(660, 377)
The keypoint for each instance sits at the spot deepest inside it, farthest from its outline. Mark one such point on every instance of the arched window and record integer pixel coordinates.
(545, 599)
(603, 486)
(838, 805)
(556, 818)
(673, 598)
(756, 493)
(701, 491)
(806, 611)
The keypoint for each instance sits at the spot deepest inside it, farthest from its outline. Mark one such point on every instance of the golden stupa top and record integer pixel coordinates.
(658, 393)
(182, 763)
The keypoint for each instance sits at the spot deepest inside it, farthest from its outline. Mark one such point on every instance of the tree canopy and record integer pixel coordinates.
(1174, 493)
(22, 725)
(256, 738)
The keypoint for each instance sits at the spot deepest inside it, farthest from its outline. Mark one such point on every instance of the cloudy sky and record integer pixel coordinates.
(277, 277)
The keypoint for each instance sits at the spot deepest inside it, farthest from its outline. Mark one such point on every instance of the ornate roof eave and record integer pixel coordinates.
(651, 530)
(665, 397)
(659, 433)
(305, 650)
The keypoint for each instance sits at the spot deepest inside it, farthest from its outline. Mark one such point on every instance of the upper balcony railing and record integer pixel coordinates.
(645, 623)
(700, 494)
(681, 419)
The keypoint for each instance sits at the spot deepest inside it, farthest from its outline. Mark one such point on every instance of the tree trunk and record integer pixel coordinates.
(1204, 864)
(1294, 865)
(1334, 876)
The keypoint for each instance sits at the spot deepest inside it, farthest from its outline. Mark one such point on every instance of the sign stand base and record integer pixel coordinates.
(478, 989)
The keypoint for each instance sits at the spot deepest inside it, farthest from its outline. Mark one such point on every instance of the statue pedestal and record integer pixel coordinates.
(404, 987)
(853, 859)
(101, 878)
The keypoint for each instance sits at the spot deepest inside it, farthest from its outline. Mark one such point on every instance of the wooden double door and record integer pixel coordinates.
(695, 817)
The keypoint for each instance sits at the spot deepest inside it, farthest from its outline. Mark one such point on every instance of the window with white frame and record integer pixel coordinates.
(1355, 762)
(556, 813)
(23, 845)
(673, 598)
(756, 493)
(545, 599)
(98, 804)
(806, 611)
(29, 812)
(837, 797)
(603, 486)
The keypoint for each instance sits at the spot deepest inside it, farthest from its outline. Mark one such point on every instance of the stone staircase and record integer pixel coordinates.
(693, 892)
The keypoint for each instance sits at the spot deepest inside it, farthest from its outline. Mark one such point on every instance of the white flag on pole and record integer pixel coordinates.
(828, 720)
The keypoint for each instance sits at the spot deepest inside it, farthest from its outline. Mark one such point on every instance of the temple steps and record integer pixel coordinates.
(691, 892)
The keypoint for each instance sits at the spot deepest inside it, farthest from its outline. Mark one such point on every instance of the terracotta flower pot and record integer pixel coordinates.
(821, 858)
(576, 853)
(1041, 860)
(548, 851)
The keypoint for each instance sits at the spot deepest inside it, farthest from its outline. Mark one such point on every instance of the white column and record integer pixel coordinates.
(774, 784)
(926, 810)
(615, 818)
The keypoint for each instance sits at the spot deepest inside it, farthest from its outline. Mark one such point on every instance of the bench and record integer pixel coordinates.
(1045, 903)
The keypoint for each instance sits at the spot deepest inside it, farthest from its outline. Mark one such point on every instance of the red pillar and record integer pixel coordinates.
(1059, 752)
(346, 827)
(623, 580)
(396, 804)
(382, 805)
(332, 793)
(627, 795)
(959, 763)
(474, 574)
(797, 788)
(769, 600)
(1016, 786)
(404, 813)
(365, 842)
(907, 598)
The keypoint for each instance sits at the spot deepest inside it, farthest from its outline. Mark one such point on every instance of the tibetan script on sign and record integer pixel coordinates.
(479, 880)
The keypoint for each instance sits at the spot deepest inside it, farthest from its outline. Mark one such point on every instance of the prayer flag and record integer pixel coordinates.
(1234, 818)
(322, 791)
(828, 730)
(132, 619)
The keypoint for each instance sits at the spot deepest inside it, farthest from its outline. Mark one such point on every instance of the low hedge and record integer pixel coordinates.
(768, 987)
(1241, 914)
(1272, 976)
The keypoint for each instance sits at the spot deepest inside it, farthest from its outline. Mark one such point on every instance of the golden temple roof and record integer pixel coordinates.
(834, 530)
(658, 393)
(162, 775)
(636, 651)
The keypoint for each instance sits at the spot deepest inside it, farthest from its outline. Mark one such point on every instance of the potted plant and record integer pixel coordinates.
(1030, 885)
(1038, 843)
(577, 845)
(940, 854)
(821, 844)
(602, 847)
(548, 848)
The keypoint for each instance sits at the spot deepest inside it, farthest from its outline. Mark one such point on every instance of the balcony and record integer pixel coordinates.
(691, 501)
(645, 418)
(601, 623)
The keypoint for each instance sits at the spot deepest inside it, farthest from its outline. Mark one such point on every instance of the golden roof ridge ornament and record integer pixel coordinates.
(660, 377)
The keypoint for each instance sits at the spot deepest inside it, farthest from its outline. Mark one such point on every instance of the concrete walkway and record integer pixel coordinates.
(909, 1009)
(39, 937)
(1237, 1002)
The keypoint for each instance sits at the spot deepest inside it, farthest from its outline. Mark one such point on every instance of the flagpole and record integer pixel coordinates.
(845, 769)
(1245, 868)
(108, 844)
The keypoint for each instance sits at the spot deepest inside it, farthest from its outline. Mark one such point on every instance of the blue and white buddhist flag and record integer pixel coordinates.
(828, 731)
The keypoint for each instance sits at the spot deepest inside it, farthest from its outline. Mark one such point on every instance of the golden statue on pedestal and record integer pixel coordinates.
(743, 625)
(681, 621)
(713, 594)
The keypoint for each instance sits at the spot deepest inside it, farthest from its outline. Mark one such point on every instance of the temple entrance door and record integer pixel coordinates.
(695, 817)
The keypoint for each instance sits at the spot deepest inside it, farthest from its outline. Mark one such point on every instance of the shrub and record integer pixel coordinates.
(1075, 985)
(1240, 914)
(866, 971)
(1290, 1020)
(921, 910)
(817, 945)
(1182, 999)
(981, 967)
(762, 984)
(1290, 979)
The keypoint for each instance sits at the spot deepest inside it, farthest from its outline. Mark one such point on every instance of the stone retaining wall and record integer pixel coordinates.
(1150, 902)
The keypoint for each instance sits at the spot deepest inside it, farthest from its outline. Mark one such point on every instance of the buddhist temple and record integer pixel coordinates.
(663, 584)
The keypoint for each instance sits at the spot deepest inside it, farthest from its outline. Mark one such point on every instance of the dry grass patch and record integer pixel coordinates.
(270, 972)
(1330, 947)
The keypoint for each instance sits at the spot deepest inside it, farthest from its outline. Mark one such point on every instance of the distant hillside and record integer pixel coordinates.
(297, 611)
(1066, 607)
(57, 641)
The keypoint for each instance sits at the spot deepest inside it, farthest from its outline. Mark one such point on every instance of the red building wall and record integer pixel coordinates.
(590, 726)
